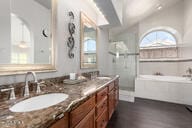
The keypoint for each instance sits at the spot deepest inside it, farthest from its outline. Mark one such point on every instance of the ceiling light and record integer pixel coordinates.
(23, 44)
(159, 7)
(117, 55)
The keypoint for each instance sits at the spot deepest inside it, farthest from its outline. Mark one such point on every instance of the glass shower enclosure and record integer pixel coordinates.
(124, 49)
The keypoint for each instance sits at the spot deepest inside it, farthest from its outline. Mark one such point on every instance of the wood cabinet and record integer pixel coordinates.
(113, 96)
(94, 112)
(62, 123)
(102, 120)
(101, 95)
(88, 121)
(111, 102)
(116, 92)
(101, 107)
(80, 112)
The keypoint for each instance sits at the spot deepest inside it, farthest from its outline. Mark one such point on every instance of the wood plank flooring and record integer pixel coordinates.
(150, 114)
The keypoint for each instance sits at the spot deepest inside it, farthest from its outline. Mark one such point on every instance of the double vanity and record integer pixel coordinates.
(88, 104)
(30, 45)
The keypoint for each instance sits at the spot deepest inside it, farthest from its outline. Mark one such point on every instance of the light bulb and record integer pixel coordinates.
(23, 44)
(117, 54)
(159, 7)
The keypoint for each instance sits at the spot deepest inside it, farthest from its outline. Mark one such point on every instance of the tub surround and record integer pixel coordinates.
(172, 89)
(78, 94)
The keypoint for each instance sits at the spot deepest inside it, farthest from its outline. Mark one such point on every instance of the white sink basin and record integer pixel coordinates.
(39, 102)
(103, 78)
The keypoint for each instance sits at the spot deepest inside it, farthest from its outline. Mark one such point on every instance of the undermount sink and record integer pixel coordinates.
(39, 102)
(103, 78)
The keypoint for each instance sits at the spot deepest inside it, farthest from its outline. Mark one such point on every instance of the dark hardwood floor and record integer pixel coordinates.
(150, 114)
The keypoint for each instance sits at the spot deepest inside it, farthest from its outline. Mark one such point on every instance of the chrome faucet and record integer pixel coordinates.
(12, 92)
(26, 91)
(189, 70)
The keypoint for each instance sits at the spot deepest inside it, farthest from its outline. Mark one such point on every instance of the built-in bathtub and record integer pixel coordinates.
(164, 88)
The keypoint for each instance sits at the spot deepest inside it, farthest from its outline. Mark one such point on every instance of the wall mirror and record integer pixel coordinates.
(26, 36)
(88, 42)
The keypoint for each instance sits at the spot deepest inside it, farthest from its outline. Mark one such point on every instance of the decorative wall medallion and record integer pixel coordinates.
(71, 40)
(45, 32)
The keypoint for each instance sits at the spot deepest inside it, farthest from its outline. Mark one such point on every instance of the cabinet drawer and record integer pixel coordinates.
(111, 103)
(102, 94)
(101, 107)
(102, 121)
(111, 86)
(62, 123)
(88, 121)
(80, 112)
(116, 97)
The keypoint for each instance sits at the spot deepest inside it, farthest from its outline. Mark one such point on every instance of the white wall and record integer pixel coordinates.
(103, 57)
(188, 21)
(166, 68)
(179, 18)
(5, 32)
(170, 17)
(64, 65)
(187, 39)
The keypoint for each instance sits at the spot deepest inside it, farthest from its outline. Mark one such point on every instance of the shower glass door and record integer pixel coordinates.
(125, 60)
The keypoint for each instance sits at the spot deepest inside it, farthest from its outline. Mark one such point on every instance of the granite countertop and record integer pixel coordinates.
(45, 117)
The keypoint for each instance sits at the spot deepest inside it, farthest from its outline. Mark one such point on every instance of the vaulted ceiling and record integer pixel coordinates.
(45, 3)
(137, 10)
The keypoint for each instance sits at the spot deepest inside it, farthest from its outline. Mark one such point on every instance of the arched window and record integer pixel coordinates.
(158, 45)
(158, 39)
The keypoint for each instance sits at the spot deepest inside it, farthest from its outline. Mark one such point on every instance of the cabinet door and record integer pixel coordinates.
(111, 103)
(81, 111)
(102, 121)
(62, 123)
(101, 107)
(116, 97)
(88, 121)
(101, 94)
(116, 92)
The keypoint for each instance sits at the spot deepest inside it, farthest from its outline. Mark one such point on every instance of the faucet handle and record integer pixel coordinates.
(39, 85)
(12, 94)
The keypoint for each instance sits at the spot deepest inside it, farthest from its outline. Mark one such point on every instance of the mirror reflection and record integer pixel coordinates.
(88, 43)
(26, 34)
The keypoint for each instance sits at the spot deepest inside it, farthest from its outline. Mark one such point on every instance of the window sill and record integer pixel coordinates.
(166, 60)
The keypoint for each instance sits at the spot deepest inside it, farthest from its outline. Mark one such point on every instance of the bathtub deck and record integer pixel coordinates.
(150, 114)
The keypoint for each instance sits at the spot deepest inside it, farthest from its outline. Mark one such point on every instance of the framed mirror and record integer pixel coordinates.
(88, 42)
(27, 31)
